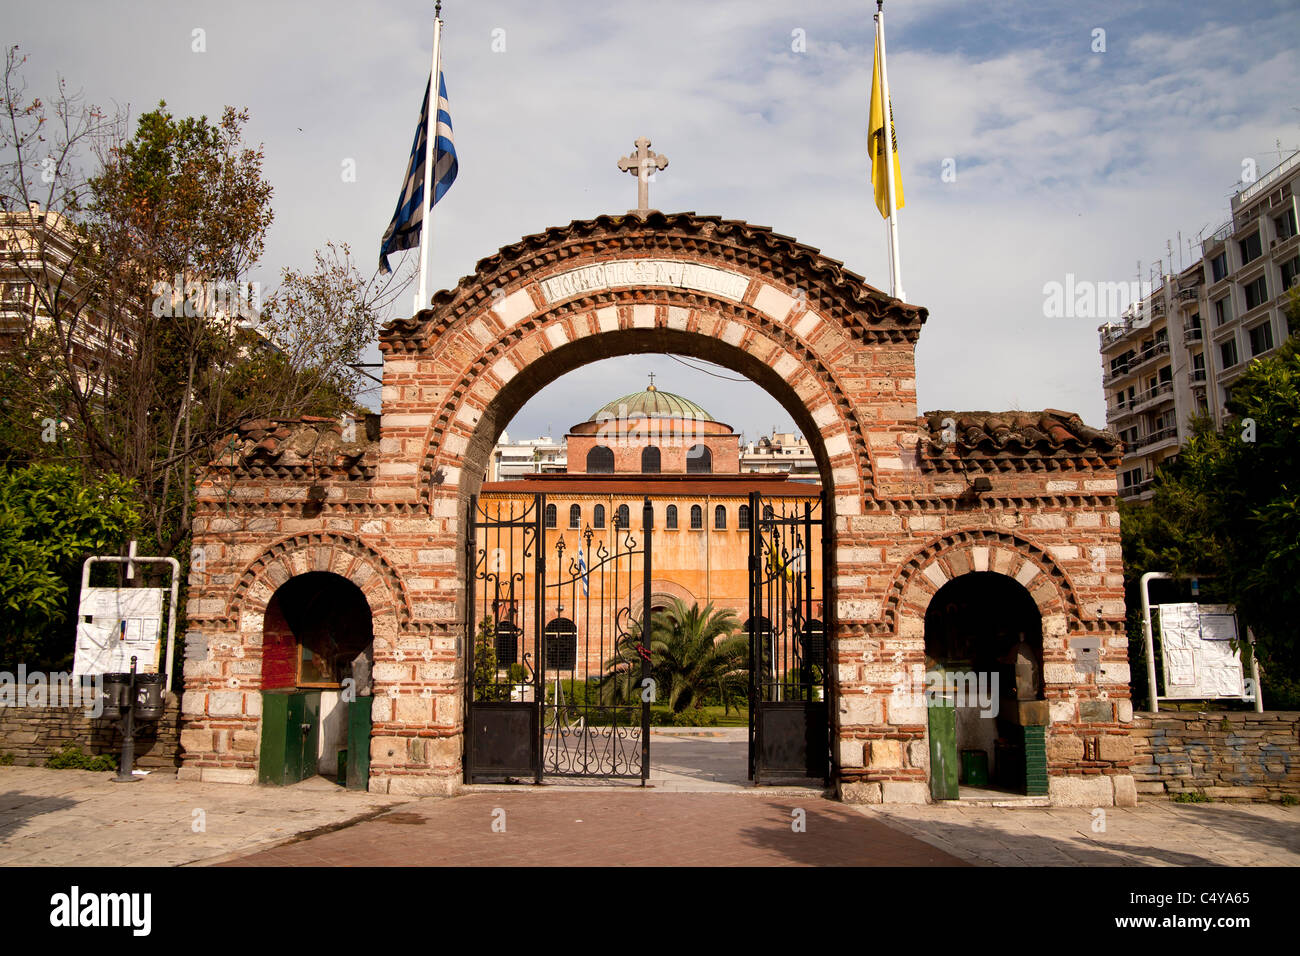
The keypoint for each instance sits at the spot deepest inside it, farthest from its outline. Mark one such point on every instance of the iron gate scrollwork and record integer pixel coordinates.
(505, 566)
(596, 711)
(556, 666)
(788, 714)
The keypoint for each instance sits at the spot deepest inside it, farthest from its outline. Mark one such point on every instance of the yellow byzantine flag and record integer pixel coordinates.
(876, 141)
(774, 564)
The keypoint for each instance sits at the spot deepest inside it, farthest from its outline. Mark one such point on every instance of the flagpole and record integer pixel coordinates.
(887, 108)
(430, 147)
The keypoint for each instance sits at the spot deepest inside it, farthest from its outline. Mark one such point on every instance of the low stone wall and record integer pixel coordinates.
(1228, 755)
(32, 734)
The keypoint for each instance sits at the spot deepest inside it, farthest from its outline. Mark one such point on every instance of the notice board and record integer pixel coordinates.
(1196, 644)
(114, 625)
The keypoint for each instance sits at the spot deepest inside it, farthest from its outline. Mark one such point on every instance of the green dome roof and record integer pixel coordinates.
(651, 403)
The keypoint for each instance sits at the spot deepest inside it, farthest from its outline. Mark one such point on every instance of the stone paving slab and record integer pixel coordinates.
(612, 828)
(1151, 834)
(79, 818)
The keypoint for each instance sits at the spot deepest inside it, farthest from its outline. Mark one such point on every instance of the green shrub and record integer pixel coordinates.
(1192, 796)
(691, 717)
(1289, 800)
(517, 674)
(6, 759)
(72, 757)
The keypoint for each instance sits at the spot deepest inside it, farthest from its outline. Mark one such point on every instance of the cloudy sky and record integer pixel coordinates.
(1074, 151)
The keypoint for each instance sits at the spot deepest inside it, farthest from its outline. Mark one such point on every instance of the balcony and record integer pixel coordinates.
(1198, 375)
(1193, 333)
(1116, 372)
(1147, 354)
(1157, 436)
(1153, 394)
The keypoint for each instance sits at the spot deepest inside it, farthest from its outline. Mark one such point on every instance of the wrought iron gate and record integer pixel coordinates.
(576, 605)
(505, 565)
(789, 620)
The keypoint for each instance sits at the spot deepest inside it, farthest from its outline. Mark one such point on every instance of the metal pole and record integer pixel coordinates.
(127, 764)
(1254, 672)
(647, 521)
(1146, 633)
(430, 147)
(896, 270)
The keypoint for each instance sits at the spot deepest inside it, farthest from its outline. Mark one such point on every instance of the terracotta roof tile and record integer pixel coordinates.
(292, 443)
(1050, 433)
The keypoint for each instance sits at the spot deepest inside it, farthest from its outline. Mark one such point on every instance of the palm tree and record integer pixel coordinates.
(692, 650)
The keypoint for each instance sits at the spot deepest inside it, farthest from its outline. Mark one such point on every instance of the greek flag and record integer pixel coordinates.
(404, 231)
(582, 568)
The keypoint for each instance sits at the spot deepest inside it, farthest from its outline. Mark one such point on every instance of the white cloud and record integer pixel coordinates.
(1067, 161)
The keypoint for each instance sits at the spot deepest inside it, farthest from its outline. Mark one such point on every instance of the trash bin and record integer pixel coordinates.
(975, 768)
(149, 702)
(116, 691)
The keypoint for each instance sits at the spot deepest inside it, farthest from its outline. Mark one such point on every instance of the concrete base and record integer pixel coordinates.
(432, 785)
(1125, 791)
(246, 777)
(1081, 791)
(889, 791)
(858, 792)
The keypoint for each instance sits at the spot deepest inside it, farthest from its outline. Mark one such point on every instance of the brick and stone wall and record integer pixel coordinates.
(1228, 755)
(388, 510)
(32, 734)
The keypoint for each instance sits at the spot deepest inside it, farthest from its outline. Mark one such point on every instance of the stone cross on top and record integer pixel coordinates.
(642, 164)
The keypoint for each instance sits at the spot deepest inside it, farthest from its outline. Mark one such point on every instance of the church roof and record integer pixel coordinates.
(651, 403)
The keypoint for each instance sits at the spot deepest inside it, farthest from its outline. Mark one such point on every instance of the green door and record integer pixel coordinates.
(943, 750)
(358, 772)
(290, 736)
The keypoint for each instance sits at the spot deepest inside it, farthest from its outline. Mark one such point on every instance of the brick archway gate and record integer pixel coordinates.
(835, 352)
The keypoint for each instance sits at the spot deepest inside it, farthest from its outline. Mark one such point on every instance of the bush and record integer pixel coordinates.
(6, 759)
(1192, 796)
(691, 717)
(72, 757)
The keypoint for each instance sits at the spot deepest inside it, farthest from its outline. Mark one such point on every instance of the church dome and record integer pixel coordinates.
(651, 403)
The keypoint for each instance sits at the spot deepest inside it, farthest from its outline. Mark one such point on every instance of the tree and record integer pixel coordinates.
(51, 519)
(692, 651)
(1230, 507)
(143, 247)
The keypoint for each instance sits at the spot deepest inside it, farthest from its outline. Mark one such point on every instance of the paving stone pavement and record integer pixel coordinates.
(612, 827)
(75, 818)
(78, 818)
(1158, 833)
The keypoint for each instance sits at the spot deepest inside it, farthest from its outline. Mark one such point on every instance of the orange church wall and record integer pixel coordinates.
(703, 566)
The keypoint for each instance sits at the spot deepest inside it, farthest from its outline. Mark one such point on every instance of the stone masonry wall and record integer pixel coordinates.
(32, 734)
(1228, 755)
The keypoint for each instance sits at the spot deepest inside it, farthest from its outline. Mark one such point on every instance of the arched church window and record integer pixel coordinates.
(697, 517)
(551, 517)
(598, 516)
(720, 517)
(699, 460)
(575, 516)
(650, 460)
(671, 518)
(600, 461)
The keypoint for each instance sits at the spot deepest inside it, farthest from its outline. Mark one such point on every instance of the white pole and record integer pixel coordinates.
(895, 268)
(430, 146)
(1153, 695)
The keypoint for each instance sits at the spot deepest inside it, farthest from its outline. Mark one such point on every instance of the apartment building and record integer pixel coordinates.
(780, 452)
(37, 253)
(530, 456)
(1176, 352)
